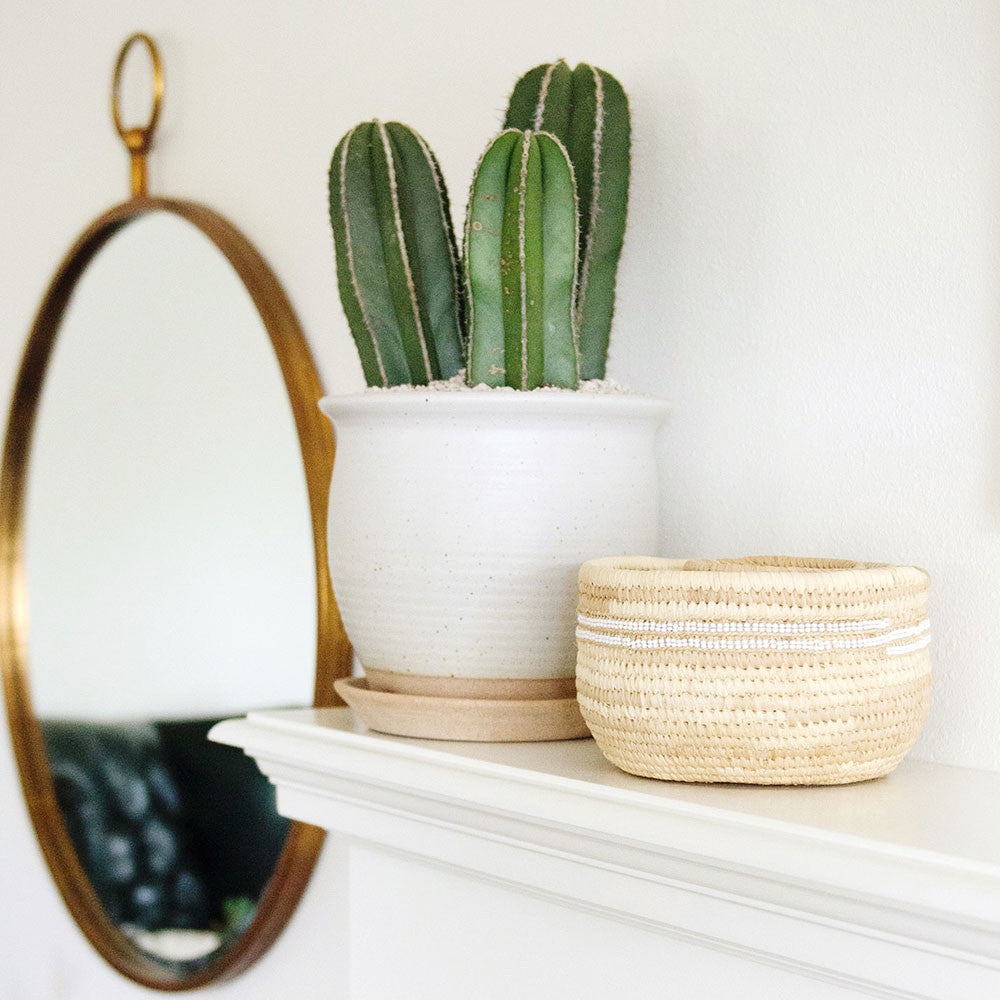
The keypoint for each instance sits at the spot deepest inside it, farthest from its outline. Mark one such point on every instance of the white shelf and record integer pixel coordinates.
(889, 888)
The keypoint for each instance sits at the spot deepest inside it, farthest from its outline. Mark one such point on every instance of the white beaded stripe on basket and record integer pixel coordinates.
(728, 627)
(811, 645)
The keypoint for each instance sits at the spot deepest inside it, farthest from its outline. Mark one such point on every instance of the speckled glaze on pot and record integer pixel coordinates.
(458, 522)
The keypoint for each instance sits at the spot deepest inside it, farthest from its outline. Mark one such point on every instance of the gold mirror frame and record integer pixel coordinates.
(333, 652)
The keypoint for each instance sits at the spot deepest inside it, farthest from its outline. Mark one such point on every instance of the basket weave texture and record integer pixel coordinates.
(768, 670)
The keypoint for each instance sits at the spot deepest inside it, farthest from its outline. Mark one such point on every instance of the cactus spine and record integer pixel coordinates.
(521, 248)
(397, 265)
(588, 110)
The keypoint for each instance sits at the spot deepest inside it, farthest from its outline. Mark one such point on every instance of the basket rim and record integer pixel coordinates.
(807, 574)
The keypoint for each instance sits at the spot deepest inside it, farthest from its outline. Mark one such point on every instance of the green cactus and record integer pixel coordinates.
(397, 265)
(521, 240)
(588, 110)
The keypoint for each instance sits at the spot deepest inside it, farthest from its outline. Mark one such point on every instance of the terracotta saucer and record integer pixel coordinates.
(483, 720)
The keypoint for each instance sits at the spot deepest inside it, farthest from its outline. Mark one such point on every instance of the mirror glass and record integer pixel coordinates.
(171, 583)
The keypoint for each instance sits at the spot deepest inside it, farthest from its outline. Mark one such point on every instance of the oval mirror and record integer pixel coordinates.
(164, 563)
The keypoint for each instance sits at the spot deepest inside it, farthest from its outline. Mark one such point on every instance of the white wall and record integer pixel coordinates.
(811, 274)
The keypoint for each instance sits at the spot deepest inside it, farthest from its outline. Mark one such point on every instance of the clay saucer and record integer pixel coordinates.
(483, 720)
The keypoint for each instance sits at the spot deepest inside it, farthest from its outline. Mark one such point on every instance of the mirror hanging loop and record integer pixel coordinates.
(138, 139)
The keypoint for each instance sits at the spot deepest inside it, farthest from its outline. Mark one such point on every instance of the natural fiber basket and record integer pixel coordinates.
(765, 671)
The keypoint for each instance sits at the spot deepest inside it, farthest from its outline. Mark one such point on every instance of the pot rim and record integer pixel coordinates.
(472, 402)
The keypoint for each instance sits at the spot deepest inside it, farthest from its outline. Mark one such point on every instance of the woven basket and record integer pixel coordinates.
(763, 671)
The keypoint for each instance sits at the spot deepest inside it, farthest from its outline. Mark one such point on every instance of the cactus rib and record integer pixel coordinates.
(560, 239)
(397, 260)
(444, 212)
(543, 93)
(587, 256)
(526, 315)
(482, 254)
(371, 344)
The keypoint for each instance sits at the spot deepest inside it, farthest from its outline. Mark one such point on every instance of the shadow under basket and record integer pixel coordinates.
(769, 671)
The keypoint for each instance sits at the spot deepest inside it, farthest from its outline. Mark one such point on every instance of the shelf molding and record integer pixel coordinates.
(751, 872)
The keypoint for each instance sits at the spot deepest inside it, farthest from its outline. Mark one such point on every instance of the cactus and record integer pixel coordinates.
(588, 110)
(521, 240)
(397, 266)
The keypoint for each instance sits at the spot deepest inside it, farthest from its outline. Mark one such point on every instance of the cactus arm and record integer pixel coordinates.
(599, 146)
(483, 235)
(360, 269)
(522, 267)
(560, 240)
(542, 99)
(434, 261)
(587, 109)
(521, 247)
(402, 269)
(470, 304)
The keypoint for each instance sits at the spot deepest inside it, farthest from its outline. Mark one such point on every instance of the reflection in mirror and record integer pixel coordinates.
(171, 583)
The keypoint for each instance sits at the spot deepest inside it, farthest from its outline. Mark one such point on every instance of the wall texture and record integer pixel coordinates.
(810, 276)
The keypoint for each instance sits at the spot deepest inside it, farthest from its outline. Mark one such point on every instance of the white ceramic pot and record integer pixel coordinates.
(458, 523)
